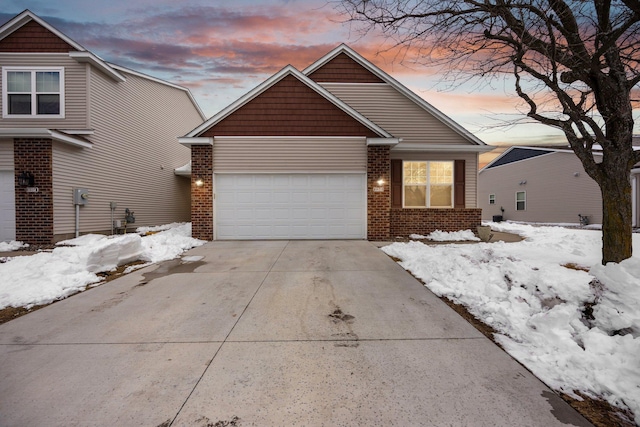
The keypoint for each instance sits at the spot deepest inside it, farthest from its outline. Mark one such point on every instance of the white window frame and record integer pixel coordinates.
(428, 185)
(34, 114)
(524, 201)
(492, 199)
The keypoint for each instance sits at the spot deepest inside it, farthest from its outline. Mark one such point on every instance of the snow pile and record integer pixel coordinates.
(12, 246)
(72, 266)
(576, 330)
(448, 236)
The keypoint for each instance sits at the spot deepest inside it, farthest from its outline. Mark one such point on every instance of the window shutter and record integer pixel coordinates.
(459, 184)
(396, 183)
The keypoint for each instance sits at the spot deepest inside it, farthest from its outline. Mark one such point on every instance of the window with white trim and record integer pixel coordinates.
(32, 92)
(492, 199)
(521, 200)
(427, 184)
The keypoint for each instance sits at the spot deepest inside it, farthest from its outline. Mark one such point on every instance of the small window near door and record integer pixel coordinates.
(492, 199)
(521, 201)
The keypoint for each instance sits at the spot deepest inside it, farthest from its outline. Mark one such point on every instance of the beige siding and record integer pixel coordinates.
(471, 169)
(553, 193)
(289, 154)
(6, 154)
(134, 153)
(75, 87)
(395, 113)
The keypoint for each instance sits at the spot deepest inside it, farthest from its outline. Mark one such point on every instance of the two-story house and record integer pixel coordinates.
(85, 143)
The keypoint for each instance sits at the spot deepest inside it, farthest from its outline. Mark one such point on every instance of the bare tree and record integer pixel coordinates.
(573, 63)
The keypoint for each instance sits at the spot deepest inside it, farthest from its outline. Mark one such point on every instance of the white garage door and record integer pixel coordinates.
(291, 206)
(7, 207)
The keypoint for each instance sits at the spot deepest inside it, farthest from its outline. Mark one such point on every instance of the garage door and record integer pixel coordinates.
(290, 206)
(7, 207)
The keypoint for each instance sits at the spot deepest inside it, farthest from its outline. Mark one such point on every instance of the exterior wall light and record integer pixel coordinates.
(199, 182)
(26, 179)
(380, 182)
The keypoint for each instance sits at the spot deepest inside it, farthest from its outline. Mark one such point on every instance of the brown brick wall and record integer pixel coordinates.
(425, 221)
(289, 108)
(343, 69)
(33, 37)
(202, 197)
(34, 211)
(378, 203)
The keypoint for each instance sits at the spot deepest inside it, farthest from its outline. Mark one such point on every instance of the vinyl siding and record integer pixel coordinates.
(289, 154)
(553, 193)
(6, 154)
(75, 89)
(134, 153)
(471, 169)
(395, 113)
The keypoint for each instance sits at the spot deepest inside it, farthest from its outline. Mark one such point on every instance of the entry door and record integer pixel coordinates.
(7, 207)
(290, 206)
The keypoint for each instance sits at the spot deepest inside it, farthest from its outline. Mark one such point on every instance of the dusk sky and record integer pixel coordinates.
(222, 49)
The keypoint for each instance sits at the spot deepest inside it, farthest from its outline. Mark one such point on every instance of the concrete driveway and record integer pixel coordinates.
(282, 333)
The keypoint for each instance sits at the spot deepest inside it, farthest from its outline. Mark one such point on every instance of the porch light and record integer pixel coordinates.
(199, 182)
(26, 179)
(380, 182)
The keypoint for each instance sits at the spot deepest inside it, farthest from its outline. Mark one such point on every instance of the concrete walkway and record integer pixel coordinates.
(306, 333)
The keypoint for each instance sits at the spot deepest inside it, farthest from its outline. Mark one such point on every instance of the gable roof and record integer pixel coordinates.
(81, 54)
(343, 49)
(270, 82)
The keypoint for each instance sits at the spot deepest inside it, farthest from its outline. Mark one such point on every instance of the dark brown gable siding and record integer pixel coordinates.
(33, 37)
(343, 69)
(289, 108)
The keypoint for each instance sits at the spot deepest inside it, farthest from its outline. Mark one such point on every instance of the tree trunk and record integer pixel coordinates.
(616, 216)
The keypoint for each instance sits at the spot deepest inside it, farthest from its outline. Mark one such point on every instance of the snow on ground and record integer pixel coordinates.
(72, 266)
(530, 295)
(448, 236)
(11, 246)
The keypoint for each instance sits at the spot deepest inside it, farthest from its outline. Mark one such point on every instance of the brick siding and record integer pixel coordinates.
(423, 221)
(378, 203)
(202, 197)
(34, 210)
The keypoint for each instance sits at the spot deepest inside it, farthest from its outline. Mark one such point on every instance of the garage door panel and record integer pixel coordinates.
(290, 206)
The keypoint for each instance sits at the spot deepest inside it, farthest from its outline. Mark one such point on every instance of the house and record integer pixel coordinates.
(544, 185)
(84, 143)
(340, 150)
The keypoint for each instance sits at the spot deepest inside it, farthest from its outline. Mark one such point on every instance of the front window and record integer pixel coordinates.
(427, 184)
(521, 201)
(36, 92)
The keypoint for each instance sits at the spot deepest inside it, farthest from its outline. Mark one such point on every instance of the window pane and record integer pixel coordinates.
(415, 173)
(48, 104)
(18, 81)
(19, 104)
(441, 172)
(47, 81)
(440, 196)
(520, 196)
(520, 206)
(415, 196)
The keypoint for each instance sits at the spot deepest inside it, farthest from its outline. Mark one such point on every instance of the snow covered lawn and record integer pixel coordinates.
(573, 322)
(72, 266)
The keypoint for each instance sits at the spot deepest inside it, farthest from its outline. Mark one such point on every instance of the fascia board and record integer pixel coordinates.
(45, 133)
(26, 16)
(98, 63)
(343, 48)
(443, 147)
(288, 70)
(188, 141)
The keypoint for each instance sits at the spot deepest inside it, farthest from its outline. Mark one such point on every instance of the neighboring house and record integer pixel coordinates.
(71, 120)
(339, 150)
(544, 185)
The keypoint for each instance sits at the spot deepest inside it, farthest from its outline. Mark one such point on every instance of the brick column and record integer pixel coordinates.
(34, 210)
(202, 197)
(378, 203)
